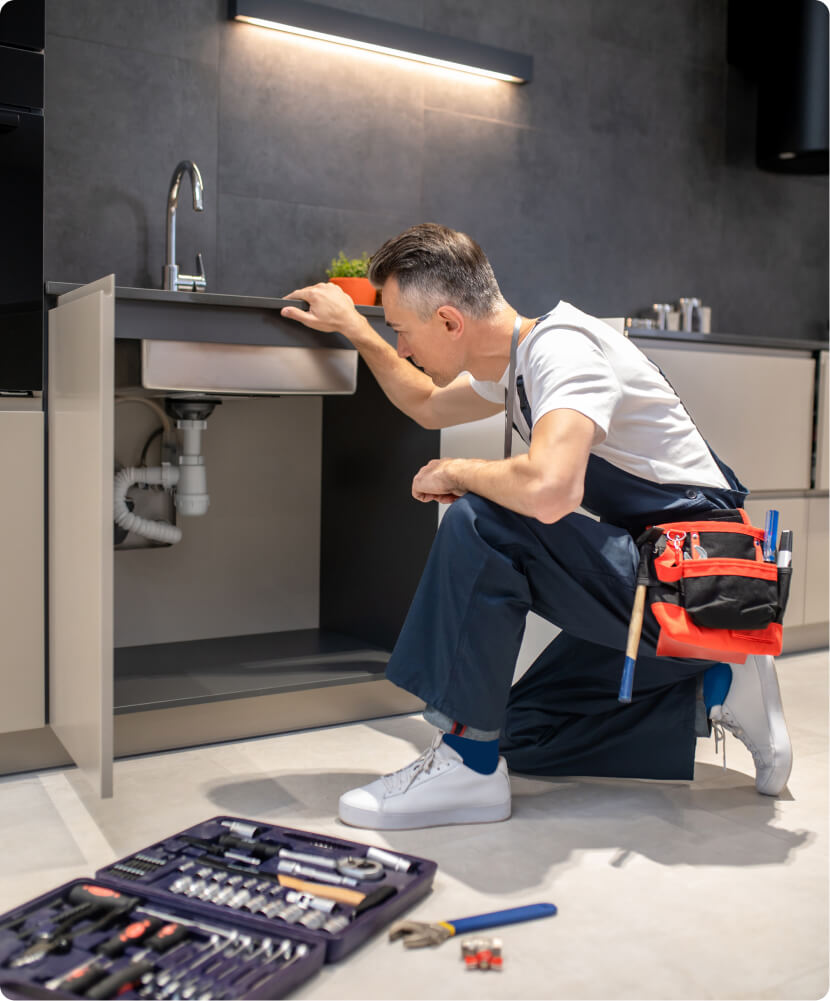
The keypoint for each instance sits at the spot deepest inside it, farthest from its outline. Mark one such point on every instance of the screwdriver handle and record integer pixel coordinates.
(101, 896)
(168, 936)
(80, 980)
(134, 932)
(124, 979)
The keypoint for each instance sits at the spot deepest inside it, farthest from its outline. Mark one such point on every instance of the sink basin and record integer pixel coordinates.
(249, 369)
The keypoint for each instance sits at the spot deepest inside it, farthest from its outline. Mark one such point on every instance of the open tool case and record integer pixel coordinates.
(224, 909)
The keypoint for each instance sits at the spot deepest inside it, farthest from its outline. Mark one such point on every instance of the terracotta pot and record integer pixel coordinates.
(360, 290)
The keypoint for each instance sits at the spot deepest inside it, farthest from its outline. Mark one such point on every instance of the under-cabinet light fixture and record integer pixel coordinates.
(313, 20)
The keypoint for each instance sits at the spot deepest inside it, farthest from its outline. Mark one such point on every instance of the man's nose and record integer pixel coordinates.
(403, 349)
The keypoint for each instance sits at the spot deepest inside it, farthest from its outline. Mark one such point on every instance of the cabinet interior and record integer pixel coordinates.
(297, 577)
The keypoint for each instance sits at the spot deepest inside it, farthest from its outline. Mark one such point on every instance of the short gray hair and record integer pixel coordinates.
(434, 266)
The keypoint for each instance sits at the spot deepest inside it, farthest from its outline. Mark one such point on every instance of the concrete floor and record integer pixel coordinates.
(665, 890)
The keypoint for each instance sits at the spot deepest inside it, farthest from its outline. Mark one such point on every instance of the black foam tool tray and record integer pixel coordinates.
(142, 944)
(214, 852)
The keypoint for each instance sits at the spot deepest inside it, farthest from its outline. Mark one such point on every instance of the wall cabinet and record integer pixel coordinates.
(22, 679)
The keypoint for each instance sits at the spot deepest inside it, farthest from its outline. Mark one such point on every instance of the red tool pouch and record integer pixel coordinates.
(710, 590)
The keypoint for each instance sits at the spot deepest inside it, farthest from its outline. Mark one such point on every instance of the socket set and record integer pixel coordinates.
(326, 889)
(285, 900)
(90, 940)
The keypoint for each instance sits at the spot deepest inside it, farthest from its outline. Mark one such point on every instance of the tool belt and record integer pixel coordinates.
(710, 590)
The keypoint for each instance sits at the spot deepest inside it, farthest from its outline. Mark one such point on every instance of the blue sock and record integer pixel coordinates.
(716, 682)
(480, 755)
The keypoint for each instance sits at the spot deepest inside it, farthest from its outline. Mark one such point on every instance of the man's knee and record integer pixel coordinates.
(470, 514)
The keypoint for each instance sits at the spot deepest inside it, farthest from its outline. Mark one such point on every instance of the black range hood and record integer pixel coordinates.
(782, 45)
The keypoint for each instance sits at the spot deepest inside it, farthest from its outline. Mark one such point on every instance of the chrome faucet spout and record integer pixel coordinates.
(171, 279)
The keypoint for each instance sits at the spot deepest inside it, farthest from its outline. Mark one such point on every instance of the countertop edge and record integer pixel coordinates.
(54, 289)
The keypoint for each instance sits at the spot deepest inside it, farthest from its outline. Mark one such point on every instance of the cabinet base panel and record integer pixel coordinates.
(196, 672)
(217, 722)
(814, 636)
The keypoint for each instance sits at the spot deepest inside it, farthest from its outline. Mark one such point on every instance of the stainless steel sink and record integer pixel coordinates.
(250, 369)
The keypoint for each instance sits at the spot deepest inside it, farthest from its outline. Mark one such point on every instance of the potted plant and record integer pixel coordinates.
(350, 274)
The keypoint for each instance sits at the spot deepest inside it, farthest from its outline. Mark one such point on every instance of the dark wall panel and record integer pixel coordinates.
(622, 175)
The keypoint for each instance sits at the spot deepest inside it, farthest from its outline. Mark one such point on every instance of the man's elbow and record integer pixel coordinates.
(554, 501)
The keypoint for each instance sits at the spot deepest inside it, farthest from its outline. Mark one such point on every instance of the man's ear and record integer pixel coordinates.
(452, 320)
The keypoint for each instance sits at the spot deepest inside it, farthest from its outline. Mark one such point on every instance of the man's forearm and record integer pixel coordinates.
(513, 484)
(407, 387)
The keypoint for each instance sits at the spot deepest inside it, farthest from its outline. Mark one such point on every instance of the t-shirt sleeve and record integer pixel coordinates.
(489, 390)
(567, 370)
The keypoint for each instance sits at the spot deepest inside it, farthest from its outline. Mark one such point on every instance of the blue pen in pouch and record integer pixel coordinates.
(771, 534)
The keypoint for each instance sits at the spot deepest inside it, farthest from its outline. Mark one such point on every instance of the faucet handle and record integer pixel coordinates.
(193, 283)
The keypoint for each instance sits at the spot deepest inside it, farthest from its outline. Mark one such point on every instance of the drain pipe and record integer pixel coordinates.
(159, 531)
(188, 478)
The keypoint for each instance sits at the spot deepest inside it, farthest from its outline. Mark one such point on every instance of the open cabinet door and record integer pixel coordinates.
(80, 443)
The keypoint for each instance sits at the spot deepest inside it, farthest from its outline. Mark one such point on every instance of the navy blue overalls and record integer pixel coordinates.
(488, 567)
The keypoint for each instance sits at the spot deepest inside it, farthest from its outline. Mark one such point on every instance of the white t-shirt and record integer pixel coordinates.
(575, 361)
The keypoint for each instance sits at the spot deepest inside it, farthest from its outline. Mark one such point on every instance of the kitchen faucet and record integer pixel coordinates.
(171, 279)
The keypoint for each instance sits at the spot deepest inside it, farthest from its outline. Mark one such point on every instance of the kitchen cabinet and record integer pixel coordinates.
(22, 679)
(157, 692)
(755, 408)
(80, 469)
(816, 562)
(822, 474)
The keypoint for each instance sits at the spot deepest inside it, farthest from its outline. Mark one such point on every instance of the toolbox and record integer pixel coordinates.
(228, 908)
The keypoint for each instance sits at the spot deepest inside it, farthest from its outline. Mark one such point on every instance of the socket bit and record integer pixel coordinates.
(292, 914)
(313, 920)
(336, 924)
(274, 909)
(224, 895)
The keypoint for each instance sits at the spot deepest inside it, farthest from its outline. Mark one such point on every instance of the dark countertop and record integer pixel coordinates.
(730, 340)
(198, 298)
(376, 312)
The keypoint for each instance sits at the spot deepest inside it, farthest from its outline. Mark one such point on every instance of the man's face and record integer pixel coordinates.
(426, 342)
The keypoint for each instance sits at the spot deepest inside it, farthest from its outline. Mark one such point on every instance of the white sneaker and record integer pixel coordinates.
(436, 789)
(752, 710)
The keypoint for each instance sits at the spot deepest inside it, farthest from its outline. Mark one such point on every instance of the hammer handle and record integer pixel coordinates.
(635, 627)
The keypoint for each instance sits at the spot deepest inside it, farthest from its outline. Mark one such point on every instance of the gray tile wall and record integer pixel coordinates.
(621, 175)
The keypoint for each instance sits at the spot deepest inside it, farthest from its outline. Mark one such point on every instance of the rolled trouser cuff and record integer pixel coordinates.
(449, 725)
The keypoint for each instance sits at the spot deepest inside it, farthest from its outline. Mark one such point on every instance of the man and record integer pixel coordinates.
(605, 431)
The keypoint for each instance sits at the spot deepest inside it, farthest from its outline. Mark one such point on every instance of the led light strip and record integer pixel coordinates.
(311, 20)
(369, 47)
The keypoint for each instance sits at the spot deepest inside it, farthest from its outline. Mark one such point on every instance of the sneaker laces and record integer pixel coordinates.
(728, 722)
(719, 734)
(402, 779)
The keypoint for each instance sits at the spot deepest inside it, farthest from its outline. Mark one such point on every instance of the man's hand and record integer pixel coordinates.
(433, 482)
(329, 308)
